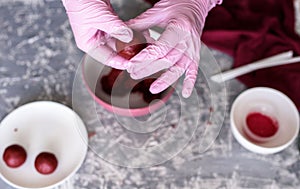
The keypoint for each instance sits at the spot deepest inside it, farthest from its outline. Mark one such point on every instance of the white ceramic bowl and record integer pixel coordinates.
(268, 102)
(38, 127)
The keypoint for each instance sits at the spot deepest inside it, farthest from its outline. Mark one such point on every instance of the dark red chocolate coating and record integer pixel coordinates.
(14, 156)
(46, 163)
(119, 82)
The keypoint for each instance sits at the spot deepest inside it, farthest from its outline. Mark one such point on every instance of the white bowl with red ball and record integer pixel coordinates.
(42, 144)
(264, 120)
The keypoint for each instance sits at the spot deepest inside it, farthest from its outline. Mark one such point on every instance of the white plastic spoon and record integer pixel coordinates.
(276, 60)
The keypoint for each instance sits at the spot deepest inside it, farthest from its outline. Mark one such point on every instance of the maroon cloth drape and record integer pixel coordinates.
(152, 2)
(250, 30)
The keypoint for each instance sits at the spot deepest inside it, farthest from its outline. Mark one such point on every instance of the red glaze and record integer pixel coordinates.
(14, 156)
(109, 81)
(121, 80)
(261, 125)
(128, 50)
(45, 163)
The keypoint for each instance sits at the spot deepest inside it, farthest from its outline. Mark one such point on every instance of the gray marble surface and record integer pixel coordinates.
(39, 60)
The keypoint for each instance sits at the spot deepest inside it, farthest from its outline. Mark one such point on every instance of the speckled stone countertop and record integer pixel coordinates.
(39, 60)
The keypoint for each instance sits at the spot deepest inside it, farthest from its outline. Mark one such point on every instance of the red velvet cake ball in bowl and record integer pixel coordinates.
(116, 91)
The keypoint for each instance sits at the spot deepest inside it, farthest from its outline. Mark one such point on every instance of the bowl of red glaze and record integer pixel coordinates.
(264, 120)
(116, 91)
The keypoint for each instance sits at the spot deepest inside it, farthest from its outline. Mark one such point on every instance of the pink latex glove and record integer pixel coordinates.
(178, 48)
(95, 26)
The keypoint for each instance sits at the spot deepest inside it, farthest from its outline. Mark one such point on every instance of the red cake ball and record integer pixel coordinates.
(118, 82)
(14, 156)
(118, 79)
(129, 50)
(46, 163)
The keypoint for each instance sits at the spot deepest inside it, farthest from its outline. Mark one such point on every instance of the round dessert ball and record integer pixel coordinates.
(14, 156)
(129, 50)
(46, 163)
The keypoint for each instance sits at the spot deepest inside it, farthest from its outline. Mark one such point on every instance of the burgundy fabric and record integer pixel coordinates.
(152, 2)
(250, 30)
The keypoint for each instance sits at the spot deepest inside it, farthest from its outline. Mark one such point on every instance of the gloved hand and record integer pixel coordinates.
(178, 48)
(95, 26)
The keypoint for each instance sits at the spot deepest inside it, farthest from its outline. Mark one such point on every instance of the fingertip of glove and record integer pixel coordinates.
(123, 33)
(134, 76)
(186, 93)
(158, 86)
(154, 89)
(118, 62)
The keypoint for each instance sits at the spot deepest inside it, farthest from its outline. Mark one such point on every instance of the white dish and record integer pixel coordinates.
(268, 102)
(38, 127)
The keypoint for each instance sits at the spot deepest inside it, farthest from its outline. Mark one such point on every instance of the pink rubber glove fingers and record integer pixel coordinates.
(93, 23)
(178, 48)
(160, 55)
(172, 75)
